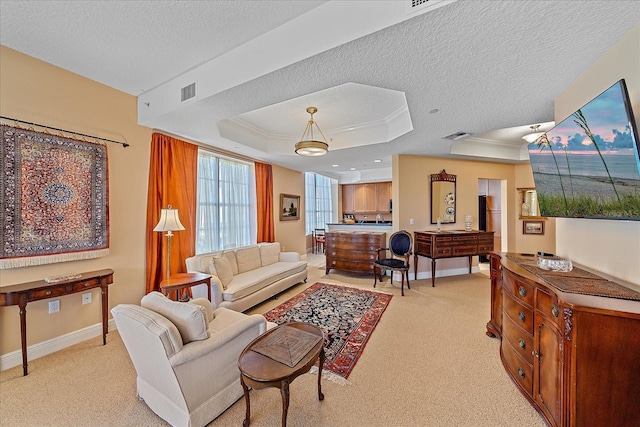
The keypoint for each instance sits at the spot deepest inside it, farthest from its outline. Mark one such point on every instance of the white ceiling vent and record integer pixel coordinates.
(187, 92)
(458, 135)
(414, 6)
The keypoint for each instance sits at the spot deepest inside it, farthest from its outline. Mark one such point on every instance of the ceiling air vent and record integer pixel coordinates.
(414, 6)
(187, 92)
(458, 135)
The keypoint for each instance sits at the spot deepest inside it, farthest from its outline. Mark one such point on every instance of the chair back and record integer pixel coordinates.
(320, 232)
(400, 243)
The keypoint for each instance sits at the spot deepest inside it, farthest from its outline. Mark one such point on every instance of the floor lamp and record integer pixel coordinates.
(169, 221)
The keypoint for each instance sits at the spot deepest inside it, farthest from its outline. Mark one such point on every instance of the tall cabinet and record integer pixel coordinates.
(569, 341)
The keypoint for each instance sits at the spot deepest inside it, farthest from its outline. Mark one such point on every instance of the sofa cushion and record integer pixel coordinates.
(252, 281)
(248, 259)
(231, 257)
(269, 253)
(190, 319)
(222, 269)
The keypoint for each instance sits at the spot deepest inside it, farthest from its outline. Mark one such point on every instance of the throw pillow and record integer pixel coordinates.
(269, 253)
(248, 258)
(223, 270)
(190, 319)
(206, 304)
(231, 257)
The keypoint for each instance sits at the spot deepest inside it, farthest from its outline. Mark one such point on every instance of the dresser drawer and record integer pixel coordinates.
(520, 370)
(442, 252)
(44, 293)
(485, 247)
(464, 250)
(348, 265)
(86, 284)
(521, 315)
(520, 341)
(355, 255)
(518, 289)
(423, 248)
(548, 306)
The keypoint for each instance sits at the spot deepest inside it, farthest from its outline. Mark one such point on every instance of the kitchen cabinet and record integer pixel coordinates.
(370, 198)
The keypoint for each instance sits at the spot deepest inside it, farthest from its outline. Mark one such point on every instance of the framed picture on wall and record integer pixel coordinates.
(289, 207)
(533, 227)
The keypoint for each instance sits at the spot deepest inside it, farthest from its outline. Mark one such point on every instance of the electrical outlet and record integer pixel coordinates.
(410, 221)
(86, 298)
(54, 306)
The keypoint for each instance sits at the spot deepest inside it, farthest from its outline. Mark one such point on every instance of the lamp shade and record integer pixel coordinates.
(169, 220)
(308, 145)
(534, 135)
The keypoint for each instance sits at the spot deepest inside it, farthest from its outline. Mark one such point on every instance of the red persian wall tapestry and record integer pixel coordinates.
(54, 198)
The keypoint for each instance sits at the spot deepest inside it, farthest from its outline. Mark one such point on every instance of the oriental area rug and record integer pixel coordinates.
(347, 316)
(54, 198)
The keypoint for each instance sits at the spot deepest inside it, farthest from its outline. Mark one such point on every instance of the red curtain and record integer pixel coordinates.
(172, 181)
(264, 200)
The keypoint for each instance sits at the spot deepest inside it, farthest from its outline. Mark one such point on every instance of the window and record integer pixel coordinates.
(226, 209)
(318, 209)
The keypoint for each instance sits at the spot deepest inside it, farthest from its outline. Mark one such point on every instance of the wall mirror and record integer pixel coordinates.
(443, 198)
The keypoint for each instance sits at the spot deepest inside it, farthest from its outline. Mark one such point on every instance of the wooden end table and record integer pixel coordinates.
(259, 371)
(185, 280)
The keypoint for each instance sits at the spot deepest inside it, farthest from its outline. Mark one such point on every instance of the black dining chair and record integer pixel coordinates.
(400, 247)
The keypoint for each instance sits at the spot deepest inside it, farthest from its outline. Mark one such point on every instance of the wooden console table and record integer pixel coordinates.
(449, 244)
(23, 293)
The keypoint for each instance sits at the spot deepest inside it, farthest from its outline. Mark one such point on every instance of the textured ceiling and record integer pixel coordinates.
(490, 68)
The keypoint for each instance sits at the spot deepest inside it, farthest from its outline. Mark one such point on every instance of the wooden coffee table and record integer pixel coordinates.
(258, 370)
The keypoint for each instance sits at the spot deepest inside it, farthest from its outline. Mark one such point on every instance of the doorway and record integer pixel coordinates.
(490, 215)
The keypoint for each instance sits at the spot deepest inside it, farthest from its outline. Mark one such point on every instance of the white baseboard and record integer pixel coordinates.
(446, 273)
(43, 348)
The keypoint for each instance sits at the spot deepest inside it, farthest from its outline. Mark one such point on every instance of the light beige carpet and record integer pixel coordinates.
(428, 363)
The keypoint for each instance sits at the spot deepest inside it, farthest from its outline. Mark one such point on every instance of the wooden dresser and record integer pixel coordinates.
(450, 244)
(569, 341)
(353, 251)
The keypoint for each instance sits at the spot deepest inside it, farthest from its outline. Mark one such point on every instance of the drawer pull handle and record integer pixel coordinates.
(333, 253)
(521, 316)
(522, 291)
(48, 292)
(520, 372)
(554, 310)
(535, 354)
(87, 284)
(521, 343)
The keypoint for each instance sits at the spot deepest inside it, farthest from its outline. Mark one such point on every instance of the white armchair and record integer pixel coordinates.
(186, 355)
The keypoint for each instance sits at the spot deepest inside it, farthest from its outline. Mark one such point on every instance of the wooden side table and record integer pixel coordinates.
(185, 280)
(259, 371)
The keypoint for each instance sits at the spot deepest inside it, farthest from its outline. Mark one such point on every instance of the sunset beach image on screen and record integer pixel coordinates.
(588, 166)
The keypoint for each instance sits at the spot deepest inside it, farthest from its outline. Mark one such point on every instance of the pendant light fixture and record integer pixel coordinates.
(534, 134)
(308, 146)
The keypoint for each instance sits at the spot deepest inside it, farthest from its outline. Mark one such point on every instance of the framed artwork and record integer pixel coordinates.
(289, 207)
(533, 227)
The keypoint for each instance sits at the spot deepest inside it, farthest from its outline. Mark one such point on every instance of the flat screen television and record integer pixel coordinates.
(588, 165)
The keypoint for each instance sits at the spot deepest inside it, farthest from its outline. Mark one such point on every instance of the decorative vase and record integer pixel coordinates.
(467, 223)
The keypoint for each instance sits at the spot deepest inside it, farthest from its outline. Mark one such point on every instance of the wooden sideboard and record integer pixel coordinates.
(24, 293)
(353, 251)
(569, 341)
(449, 244)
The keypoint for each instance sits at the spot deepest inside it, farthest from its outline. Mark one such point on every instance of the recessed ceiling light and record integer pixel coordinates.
(377, 161)
(352, 169)
(435, 110)
(335, 166)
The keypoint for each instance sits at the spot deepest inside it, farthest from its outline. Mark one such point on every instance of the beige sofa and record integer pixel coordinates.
(186, 355)
(246, 276)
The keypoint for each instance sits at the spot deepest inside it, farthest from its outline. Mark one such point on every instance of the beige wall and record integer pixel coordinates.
(35, 91)
(612, 247)
(411, 189)
(290, 234)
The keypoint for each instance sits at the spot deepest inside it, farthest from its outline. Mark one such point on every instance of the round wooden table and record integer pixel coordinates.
(259, 371)
(185, 280)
